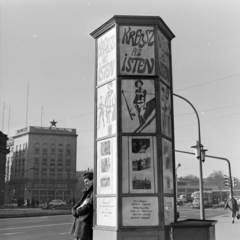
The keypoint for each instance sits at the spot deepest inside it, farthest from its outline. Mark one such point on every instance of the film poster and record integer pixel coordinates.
(106, 166)
(106, 57)
(164, 57)
(106, 109)
(141, 165)
(167, 166)
(166, 110)
(138, 106)
(137, 50)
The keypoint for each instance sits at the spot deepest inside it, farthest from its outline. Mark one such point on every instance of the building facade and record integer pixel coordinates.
(42, 164)
(3, 152)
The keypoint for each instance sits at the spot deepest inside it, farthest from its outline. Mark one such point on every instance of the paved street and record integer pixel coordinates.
(36, 228)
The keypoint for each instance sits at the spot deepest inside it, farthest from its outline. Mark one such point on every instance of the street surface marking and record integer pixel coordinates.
(10, 233)
(10, 219)
(63, 233)
(37, 220)
(48, 225)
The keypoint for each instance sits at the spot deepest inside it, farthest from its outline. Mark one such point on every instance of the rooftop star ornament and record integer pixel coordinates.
(53, 123)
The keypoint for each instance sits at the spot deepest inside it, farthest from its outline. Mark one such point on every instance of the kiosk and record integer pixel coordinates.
(134, 161)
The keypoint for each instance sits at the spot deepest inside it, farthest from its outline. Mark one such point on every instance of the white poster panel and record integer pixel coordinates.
(106, 109)
(164, 57)
(106, 53)
(141, 165)
(167, 157)
(168, 210)
(138, 106)
(166, 110)
(106, 211)
(137, 50)
(140, 211)
(106, 166)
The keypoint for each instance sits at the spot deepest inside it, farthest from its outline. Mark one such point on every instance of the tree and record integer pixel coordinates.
(192, 177)
(215, 178)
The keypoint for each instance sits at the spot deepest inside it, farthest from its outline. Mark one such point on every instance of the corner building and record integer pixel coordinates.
(44, 164)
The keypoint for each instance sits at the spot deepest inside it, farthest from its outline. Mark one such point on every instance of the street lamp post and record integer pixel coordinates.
(202, 212)
(179, 165)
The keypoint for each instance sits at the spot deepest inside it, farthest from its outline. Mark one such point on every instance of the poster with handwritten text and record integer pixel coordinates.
(106, 53)
(137, 50)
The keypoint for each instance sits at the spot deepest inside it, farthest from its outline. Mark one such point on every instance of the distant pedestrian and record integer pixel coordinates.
(33, 202)
(37, 203)
(232, 206)
(28, 202)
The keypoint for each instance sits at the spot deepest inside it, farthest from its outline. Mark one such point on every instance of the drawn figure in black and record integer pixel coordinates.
(140, 101)
(101, 112)
(110, 103)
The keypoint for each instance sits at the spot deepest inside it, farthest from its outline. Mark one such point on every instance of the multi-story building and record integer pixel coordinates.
(44, 164)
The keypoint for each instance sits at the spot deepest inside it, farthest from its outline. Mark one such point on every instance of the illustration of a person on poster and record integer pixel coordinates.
(168, 112)
(138, 106)
(140, 101)
(110, 100)
(101, 112)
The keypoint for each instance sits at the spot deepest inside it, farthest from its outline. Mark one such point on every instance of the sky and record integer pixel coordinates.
(46, 45)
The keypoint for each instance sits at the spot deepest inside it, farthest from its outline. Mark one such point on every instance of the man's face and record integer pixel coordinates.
(88, 183)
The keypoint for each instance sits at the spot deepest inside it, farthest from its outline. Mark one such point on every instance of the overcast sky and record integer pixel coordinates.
(47, 44)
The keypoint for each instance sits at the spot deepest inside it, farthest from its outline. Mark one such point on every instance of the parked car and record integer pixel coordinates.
(196, 203)
(183, 198)
(179, 201)
(57, 202)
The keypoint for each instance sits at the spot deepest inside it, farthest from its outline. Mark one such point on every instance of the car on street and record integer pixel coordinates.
(57, 202)
(179, 202)
(196, 203)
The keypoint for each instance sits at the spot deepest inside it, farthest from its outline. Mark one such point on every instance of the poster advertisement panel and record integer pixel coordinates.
(106, 166)
(166, 110)
(168, 210)
(140, 211)
(138, 106)
(106, 211)
(164, 57)
(137, 50)
(106, 57)
(167, 156)
(106, 110)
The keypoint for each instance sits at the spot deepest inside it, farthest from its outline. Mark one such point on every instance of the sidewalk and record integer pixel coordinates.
(225, 229)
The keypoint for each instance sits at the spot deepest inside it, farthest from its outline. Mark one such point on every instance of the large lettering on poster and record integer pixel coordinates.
(137, 50)
(140, 211)
(164, 57)
(106, 51)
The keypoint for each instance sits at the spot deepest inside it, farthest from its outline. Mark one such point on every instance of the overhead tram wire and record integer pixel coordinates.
(216, 80)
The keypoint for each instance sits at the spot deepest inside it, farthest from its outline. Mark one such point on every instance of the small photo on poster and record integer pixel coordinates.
(105, 181)
(138, 106)
(105, 148)
(105, 165)
(141, 165)
(167, 166)
(141, 181)
(166, 110)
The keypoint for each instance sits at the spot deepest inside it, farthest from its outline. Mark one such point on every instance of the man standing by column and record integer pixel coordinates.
(83, 211)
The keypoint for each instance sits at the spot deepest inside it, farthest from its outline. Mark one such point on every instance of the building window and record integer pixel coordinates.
(68, 148)
(52, 167)
(20, 148)
(44, 157)
(45, 147)
(59, 175)
(36, 156)
(68, 158)
(60, 147)
(52, 175)
(36, 166)
(35, 174)
(60, 167)
(16, 148)
(53, 147)
(24, 147)
(60, 157)
(52, 157)
(44, 167)
(44, 175)
(67, 167)
(37, 147)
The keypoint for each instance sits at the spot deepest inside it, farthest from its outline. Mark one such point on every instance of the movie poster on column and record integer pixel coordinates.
(137, 50)
(106, 110)
(164, 57)
(168, 186)
(166, 110)
(138, 106)
(106, 166)
(106, 53)
(141, 165)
